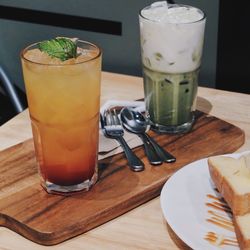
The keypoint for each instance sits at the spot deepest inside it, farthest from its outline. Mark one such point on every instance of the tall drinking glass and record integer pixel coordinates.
(171, 48)
(64, 100)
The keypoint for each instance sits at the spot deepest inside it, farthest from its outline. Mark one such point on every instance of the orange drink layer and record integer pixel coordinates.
(64, 102)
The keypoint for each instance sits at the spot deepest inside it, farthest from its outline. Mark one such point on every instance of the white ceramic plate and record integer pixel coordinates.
(184, 203)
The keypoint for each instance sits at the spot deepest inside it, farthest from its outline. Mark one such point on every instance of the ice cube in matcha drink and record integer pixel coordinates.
(171, 47)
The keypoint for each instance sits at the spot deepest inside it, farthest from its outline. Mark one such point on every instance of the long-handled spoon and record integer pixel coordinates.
(136, 123)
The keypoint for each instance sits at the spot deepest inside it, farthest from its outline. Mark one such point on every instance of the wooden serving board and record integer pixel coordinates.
(50, 219)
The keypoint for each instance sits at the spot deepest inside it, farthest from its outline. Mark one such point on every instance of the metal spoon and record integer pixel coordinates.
(128, 122)
(135, 122)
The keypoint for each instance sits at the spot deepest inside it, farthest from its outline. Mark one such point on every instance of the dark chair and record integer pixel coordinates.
(10, 102)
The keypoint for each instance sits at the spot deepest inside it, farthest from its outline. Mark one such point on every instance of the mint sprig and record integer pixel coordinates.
(62, 48)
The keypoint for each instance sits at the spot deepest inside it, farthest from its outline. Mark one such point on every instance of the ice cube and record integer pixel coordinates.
(37, 56)
(85, 54)
(161, 12)
(159, 4)
(158, 11)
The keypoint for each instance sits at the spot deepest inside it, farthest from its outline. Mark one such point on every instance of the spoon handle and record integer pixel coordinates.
(153, 157)
(134, 162)
(165, 156)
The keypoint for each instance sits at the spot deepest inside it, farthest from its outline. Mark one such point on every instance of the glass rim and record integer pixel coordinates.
(22, 55)
(175, 5)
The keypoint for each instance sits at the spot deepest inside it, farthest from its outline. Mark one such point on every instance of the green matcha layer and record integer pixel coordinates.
(170, 98)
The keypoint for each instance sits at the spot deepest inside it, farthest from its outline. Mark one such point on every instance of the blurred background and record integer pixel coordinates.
(113, 25)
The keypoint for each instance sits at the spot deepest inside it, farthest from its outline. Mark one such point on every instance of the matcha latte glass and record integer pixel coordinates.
(171, 47)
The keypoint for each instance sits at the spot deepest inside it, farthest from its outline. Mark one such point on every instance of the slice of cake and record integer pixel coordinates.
(232, 179)
(242, 230)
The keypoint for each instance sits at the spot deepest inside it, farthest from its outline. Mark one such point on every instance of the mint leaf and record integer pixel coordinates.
(62, 48)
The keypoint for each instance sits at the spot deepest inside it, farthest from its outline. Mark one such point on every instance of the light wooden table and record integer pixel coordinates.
(143, 227)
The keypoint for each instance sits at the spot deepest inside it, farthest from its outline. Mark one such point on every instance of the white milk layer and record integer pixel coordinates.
(172, 37)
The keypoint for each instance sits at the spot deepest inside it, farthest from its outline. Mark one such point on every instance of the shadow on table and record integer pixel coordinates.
(204, 105)
(178, 242)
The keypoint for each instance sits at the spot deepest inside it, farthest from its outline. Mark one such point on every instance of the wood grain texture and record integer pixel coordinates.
(50, 219)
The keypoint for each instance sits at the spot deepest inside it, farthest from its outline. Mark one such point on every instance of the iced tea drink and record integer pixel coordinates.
(64, 99)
